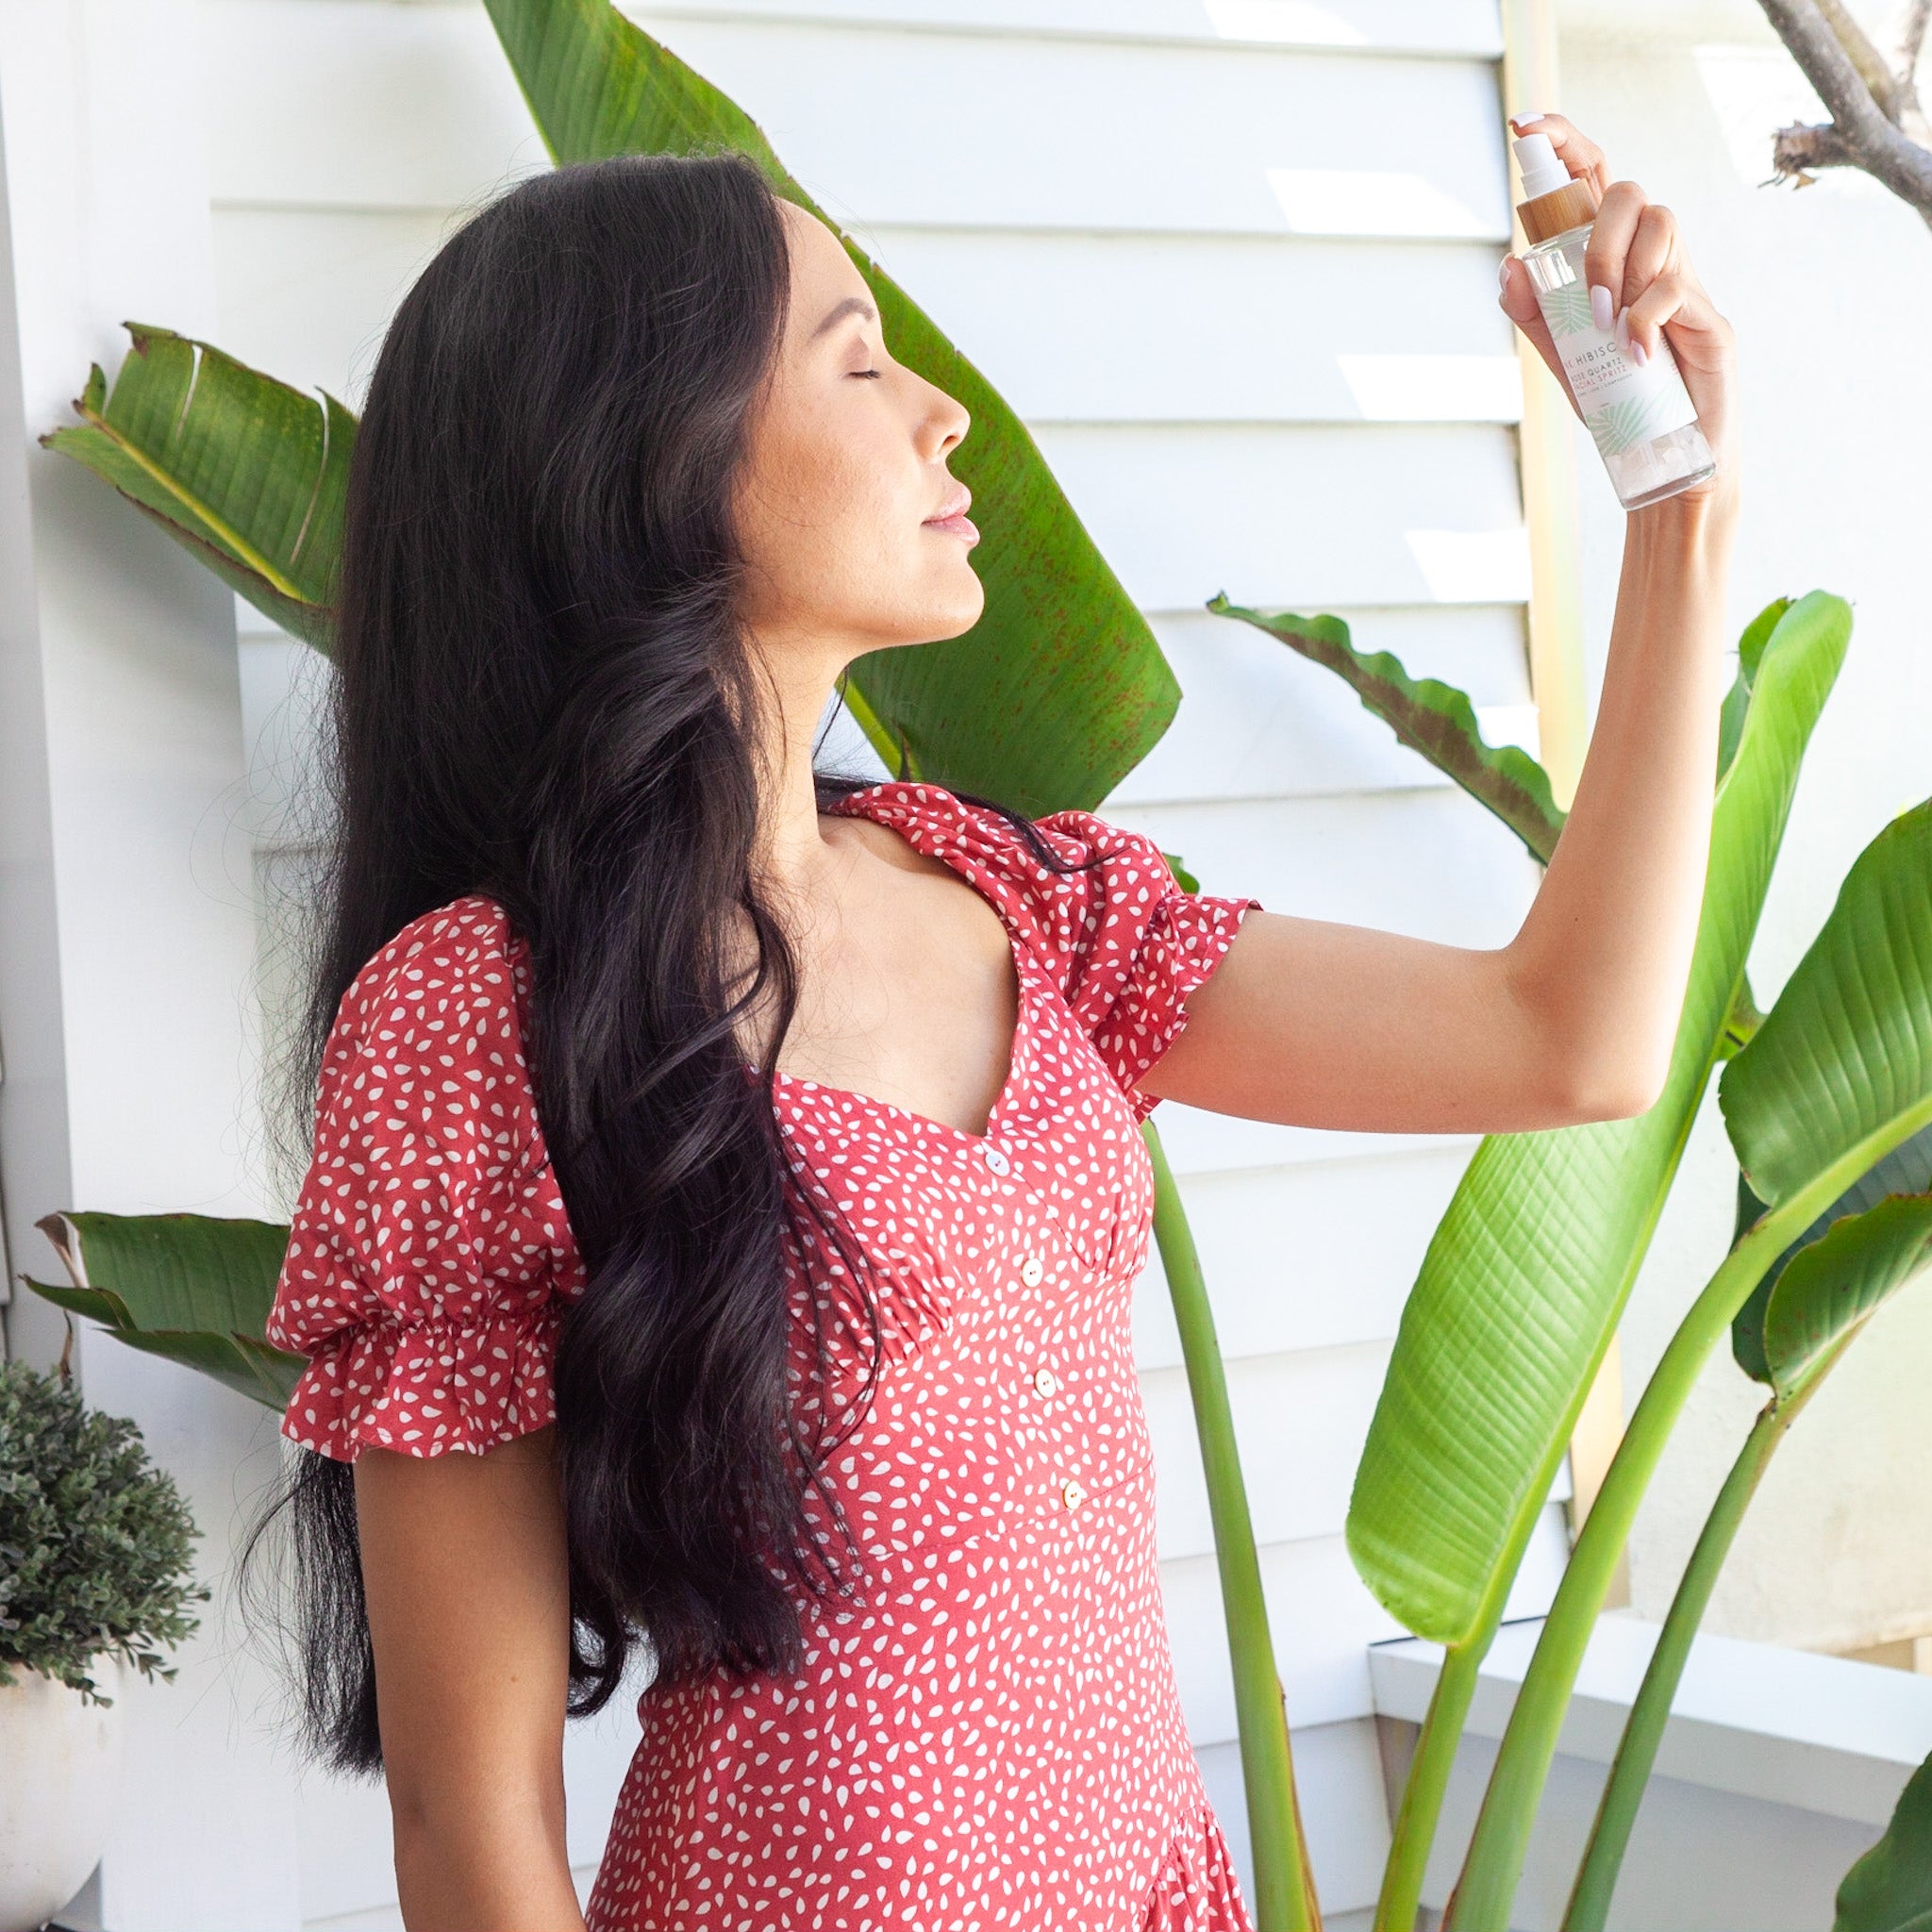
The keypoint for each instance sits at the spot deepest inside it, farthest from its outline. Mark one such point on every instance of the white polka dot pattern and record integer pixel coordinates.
(429, 1249)
(989, 1735)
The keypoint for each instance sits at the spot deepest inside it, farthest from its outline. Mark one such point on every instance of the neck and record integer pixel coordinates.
(791, 847)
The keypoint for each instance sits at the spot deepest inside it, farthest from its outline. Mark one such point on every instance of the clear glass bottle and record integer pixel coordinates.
(1639, 415)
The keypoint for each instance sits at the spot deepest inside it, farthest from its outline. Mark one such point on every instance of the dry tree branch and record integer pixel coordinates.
(1910, 44)
(1836, 55)
(1880, 82)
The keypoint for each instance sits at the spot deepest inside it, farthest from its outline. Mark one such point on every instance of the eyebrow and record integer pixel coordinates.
(852, 305)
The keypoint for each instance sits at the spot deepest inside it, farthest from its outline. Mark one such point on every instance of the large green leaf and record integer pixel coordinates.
(1530, 1269)
(1840, 1281)
(194, 1288)
(1907, 1169)
(1429, 716)
(1059, 689)
(1889, 1888)
(1737, 700)
(1846, 1053)
(244, 472)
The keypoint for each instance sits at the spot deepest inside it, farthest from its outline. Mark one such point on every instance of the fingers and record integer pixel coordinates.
(1577, 152)
(1701, 336)
(1632, 244)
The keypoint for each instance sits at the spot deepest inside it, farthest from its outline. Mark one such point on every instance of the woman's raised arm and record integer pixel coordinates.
(1328, 1025)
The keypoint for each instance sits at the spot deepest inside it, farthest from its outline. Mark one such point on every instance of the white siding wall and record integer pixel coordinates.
(1167, 230)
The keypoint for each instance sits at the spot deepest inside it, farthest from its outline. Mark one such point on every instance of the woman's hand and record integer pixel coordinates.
(1639, 270)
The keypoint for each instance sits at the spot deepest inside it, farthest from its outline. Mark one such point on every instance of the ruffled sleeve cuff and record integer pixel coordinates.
(427, 1387)
(1185, 938)
(429, 1257)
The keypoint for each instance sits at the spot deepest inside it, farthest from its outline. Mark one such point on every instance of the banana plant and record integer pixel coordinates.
(1527, 1273)
(1836, 1078)
(1860, 1250)
(1815, 1299)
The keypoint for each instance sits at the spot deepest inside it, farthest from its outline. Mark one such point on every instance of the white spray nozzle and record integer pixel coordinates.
(1543, 173)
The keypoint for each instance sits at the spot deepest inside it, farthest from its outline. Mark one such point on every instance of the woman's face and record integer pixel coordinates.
(853, 533)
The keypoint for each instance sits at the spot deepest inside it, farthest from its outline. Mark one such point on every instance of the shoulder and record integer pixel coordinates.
(457, 967)
(1079, 879)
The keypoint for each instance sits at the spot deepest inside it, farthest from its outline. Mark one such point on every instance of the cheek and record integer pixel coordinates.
(835, 510)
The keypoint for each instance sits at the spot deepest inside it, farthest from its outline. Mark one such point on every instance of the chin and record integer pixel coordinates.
(939, 619)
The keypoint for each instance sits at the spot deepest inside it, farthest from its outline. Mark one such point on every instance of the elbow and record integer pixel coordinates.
(1587, 1069)
(1613, 1086)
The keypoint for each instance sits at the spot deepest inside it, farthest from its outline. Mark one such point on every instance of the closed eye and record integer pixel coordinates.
(874, 374)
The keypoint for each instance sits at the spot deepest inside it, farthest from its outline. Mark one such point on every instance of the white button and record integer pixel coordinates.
(996, 1160)
(1045, 1381)
(1031, 1270)
(1071, 1494)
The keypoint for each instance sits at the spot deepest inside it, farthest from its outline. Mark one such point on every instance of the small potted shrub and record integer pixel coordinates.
(95, 1575)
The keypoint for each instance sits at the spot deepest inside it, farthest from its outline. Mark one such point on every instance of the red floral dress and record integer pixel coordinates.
(993, 1737)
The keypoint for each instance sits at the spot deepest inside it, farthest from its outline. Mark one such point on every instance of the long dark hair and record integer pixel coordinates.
(543, 693)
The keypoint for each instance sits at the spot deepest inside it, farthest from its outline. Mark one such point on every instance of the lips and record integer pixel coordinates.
(950, 515)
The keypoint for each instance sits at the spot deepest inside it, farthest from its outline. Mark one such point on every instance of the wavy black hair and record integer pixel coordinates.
(543, 693)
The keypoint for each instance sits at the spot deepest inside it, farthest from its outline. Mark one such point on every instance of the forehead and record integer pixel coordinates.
(822, 272)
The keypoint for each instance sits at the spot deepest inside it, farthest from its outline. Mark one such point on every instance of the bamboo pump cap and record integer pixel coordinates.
(1552, 202)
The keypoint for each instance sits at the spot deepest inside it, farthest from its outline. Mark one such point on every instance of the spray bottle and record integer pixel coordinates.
(1639, 415)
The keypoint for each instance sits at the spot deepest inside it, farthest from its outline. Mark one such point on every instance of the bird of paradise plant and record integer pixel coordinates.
(1054, 697)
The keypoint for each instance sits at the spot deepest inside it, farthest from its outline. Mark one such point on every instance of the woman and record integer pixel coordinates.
(738, 1164)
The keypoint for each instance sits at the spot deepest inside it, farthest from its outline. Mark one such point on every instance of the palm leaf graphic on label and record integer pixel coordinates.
(1567, 310)
(1631, 420)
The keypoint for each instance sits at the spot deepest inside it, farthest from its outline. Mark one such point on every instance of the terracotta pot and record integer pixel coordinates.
(59, 1764)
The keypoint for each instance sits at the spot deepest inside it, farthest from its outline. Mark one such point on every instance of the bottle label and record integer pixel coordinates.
(1622, 405)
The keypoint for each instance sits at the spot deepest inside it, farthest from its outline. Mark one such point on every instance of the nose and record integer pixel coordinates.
(944, 425)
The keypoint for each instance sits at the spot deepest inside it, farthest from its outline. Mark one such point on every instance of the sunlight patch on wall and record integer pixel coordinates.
(1293, 21)
(1435, 388)
(1473, 566)
(1361, 201)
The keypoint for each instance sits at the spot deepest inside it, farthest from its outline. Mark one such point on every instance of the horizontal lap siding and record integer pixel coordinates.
(1137, 219)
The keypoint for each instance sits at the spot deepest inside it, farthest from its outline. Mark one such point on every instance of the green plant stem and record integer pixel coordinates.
(1284, 1886)
(1483, 1893)
(1427, 1781)
(1644, 1730)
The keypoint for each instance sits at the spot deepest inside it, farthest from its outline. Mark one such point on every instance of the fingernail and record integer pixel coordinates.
(1638, 354)
(1600, 307)
(1523, 119)
(1623, 330)
(1502, 271)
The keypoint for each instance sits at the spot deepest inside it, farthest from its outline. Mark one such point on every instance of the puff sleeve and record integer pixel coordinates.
(429, 1257)
(1132, 943)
